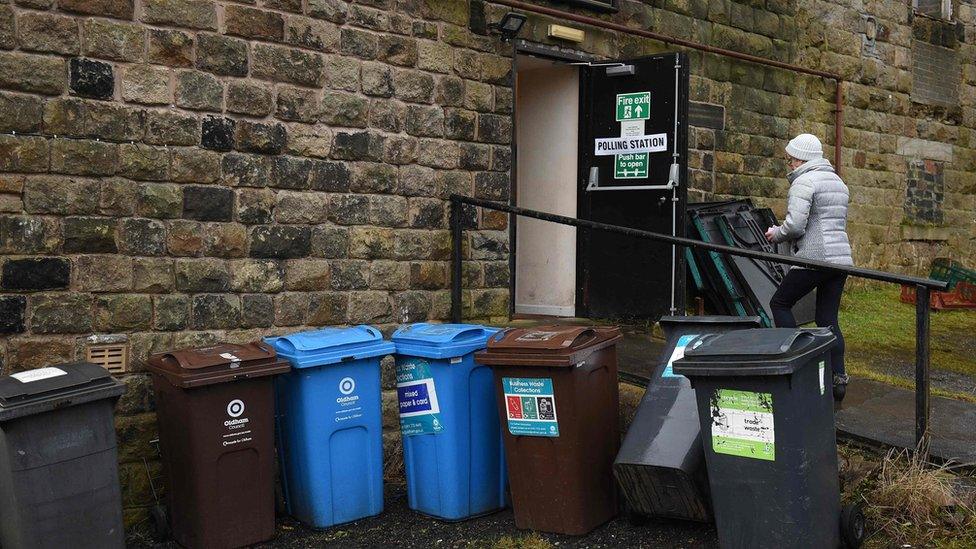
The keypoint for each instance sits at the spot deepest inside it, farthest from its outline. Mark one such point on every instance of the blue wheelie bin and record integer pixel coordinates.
(452, 443)
(330, 432)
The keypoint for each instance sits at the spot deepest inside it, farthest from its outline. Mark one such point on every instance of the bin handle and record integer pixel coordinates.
(700, 340)
(589, 332)
(467, 333)
(372, 331)
(499, 335)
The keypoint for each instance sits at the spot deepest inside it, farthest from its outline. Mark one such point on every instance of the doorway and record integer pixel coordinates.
(546, 170)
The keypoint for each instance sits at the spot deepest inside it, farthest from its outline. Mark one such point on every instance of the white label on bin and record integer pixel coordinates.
(420, 413)
(238, 429)
(530, 405)
(347, 402)
(742, 424)
(678, 353)
(38, 374)
(822, 382)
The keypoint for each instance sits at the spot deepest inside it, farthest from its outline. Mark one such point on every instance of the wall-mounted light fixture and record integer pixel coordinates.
(509, 26)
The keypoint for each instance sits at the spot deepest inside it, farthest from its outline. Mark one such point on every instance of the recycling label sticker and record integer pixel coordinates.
(420, 413)
(742, 424)
(678, 353)
(531, 406)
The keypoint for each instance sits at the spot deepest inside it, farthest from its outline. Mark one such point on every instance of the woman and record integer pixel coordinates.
(816, 227)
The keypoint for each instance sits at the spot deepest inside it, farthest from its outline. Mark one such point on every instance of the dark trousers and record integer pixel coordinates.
(830, 286)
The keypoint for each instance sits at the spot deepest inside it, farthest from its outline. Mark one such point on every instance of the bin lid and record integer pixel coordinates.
(331, 345)
(440, 340)
(556, 345)
(44, 389)
(755, 352)
(199, 366)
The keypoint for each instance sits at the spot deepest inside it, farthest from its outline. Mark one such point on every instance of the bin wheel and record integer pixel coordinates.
(852, 526)
(160, 521)
(840, 391)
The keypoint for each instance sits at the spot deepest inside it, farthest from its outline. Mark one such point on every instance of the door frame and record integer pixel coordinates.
(534, 49)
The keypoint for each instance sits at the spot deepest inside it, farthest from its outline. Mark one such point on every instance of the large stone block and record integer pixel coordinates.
(302, 207)
(257, 311)
(33, 274)
(349, 209)
(298, 104)
(32, 73)
(60, 195)
(249, 98)
(170, 47)
(389, 275)
(290, 309)
(113, 122)
(119, 9)
(260, 137)
(172, 312)
(103, 273)
(192, 14)
(122, 313)
(343, 109)
(425, 120)
(89, 235)
(21, 113)
(202, 275)
(193, 165)
(23, 154)
(255, 206)
(159, 201)
(171, 128)
(388, 211)
(327, 308)
(146, 84)
(152, 275)
(61, 314)
(370, 243)
(245, 170)
(257, 276)
(113, 40)
(87, 77)
(198, 91)
(253, 23)
(415, 86)
(311, 34)
(145, 237)
(225, 240)
(217, 133)
(289, 65)
(280, 242)
(222, 55)
(47, 32)
(13, 309)
(29, 235)
(370, 307)
(329, 242)
(307, 275)
(143, 162)
(350, 275)
(216, 311)
(117, 197)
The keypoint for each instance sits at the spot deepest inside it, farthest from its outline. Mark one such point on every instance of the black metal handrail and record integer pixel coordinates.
(923, 286)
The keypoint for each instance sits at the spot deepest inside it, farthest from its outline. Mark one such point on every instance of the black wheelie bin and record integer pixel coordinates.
(661, 465)
(59, 480)
(767, 419)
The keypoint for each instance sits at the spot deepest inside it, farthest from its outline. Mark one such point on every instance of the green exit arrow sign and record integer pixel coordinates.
(633, 106)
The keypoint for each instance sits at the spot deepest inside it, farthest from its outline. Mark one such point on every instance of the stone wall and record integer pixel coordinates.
(186, 171)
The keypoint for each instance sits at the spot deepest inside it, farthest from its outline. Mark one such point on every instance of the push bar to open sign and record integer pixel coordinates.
(611, 146)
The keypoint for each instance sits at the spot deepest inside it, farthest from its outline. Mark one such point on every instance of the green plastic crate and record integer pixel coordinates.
(950, 271)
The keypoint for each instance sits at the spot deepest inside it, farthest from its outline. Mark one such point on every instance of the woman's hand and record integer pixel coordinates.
(770, 232)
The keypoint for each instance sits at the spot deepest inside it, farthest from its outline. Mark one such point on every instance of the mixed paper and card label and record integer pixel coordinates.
(420, 413)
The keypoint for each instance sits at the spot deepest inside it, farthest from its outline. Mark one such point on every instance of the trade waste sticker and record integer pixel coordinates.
(742, 424)
(531, 406)
(417, 397)
(678, 353)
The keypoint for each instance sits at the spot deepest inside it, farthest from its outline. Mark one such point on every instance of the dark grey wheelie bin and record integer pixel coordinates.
(59, 482)
(661, 466)
(767, 420)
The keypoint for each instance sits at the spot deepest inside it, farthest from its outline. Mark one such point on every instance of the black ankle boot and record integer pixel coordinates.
(840, 386)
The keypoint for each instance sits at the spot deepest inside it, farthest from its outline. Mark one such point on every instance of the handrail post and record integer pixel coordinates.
(456, 235)
(922, 369)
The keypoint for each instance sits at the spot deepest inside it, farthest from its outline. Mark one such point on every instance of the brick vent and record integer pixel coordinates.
(113, 358)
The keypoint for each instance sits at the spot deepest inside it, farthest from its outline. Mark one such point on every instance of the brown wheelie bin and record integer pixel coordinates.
(215, 409)
(557, 397)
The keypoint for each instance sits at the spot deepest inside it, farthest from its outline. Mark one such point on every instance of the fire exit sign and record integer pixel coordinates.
(633, 106)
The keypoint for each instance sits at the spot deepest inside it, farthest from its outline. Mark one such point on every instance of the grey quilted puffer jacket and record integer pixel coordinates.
(816, 218)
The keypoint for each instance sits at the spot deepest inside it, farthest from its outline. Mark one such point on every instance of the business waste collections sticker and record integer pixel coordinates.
(531, 406)
(742, 424)
(420, 412)
(678, 353)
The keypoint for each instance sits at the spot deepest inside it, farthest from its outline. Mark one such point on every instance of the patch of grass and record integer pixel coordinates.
(531, 541)
(909, 502)
(880, 334)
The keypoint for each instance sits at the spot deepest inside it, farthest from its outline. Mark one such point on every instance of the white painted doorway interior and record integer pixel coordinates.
(547, 150)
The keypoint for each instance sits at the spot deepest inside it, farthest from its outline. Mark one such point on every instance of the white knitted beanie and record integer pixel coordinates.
(805, 147)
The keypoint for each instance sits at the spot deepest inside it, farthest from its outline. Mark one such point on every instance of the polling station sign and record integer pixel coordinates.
(610, 146)
(530, 406)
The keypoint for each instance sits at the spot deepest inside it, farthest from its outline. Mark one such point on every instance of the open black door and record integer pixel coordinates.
(633, 127)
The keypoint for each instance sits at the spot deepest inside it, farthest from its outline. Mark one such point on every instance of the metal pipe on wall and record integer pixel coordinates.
(593, 21)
